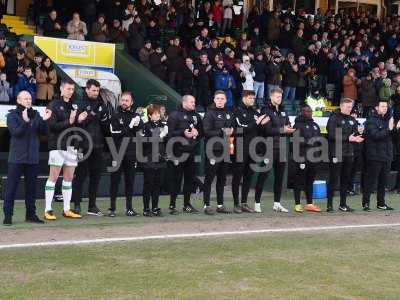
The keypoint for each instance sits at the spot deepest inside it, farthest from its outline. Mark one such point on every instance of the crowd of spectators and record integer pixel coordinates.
(355, 55)
(21, 68)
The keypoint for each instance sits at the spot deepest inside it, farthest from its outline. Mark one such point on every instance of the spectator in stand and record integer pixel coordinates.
(157, 61)
(175, 61)
(116, 33)
(223, 81)
(2, 61)
(217, 14)
(248, 71)
(153, 31)
(299, 45)
(160, 13)
(203, 81)
(6, 92)
(239, 78)
(144, 54)
(186, 78)
(273, 74)
(46, 78)
(367, 95)
(136, 37)
(23, 45)
(26, 82)
(100, 29)
(303, 84)
(227, 43)
(273, 28)
(15, 66)
(260, 70)
(290, 80)
(227, 16)
(386, 92)
(52, 26)
(37, 61)
(76, 28)
(4, 48)
(89, 11)
(128, 16)
(350, 85)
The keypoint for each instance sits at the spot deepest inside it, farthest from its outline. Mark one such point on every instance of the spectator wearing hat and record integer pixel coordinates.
(136, 37)
(157, 61)
(76, 28)
(23, 45)
(46, 78)
(227, 43)
(144, 54)
(100, 29)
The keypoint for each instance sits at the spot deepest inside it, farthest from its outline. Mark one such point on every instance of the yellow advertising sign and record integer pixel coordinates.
(78, 53)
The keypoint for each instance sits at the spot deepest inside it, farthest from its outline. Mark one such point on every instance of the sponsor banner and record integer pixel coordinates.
(66, 52)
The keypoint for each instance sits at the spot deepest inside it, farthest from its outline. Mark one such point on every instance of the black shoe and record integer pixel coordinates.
(346, 208)
(111, 213)
(366, 208)
(385, 207)
(209, 211)
(34, 219)
(237, 209)
(95, 211)
(58, 198)
(330, 209)
(77, 209)
(147, 213)
(190, 209)
(173, 211)
(247, 209)
(351, 193)
(223, 210)
(7, 221)
(131, 213)
(157, 212)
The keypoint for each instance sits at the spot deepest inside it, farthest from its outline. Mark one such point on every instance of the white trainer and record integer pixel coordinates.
(257, 207)
(279, 208)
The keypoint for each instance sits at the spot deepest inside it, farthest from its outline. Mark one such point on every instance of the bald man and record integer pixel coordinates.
(25, 125)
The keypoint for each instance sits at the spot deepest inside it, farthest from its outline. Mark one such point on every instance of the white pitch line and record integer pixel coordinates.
(195, 235)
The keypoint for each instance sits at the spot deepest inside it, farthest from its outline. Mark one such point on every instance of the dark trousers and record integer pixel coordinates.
(15, 171)
(203, 96)
(218, 169)
(241, 171)
(304, 179)
(279, 171)
(186, 171)
(151, 187)
(92, 166)
(377, 173)
(128, 167)
(358, 165)
(340, 170)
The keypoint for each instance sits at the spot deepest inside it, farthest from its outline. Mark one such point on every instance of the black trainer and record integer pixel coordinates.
(173, 210)
(131, 213)
(330, 209)
(7, 221)
(366, 208)
(190, 209)
(223, 210)
(385, 207)
(209, 211)
(237, 209)
(346, 208)
(34, 219)
(111, 213)
(147, 213)
(247, 209)
(157, 212)
(95, 211)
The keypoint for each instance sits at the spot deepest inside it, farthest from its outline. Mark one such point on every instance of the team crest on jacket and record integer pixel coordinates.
(75, 106)
(307, 126)
(195, 120)
(100, 109)
(88, 107)
(219, 116)
(61, 107)
(283, 114)
(315, 127)
(351, 122)
(343, 122)
(121, 121)
(228, 116)
(185, 117)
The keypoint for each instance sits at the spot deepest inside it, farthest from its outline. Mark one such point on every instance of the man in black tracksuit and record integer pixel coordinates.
(277, 127)
(95, 123)
(342, 133)
(306, 167)
(125, 123)
(247, 123)
(217, 123)
(379, 154)
(183, 123)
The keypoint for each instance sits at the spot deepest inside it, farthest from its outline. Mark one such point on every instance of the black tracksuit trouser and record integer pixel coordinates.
(339, 170)
(377, 174)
